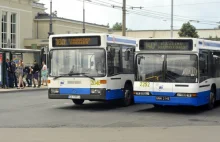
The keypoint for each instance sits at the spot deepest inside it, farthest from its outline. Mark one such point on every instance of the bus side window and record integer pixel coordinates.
(203, 66)
(114, 60)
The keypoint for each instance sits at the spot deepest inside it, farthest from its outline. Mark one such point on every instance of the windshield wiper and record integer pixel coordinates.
(71, 74)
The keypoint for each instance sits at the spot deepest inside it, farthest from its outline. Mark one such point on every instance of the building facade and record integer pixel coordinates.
(25, 24)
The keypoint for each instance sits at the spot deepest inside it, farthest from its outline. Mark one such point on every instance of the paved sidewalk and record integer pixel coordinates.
(145, 134)
(22, 90)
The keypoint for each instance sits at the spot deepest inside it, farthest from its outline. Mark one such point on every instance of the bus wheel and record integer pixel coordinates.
(158, 106)
(212, 100)
(127, 100)
(78, 102)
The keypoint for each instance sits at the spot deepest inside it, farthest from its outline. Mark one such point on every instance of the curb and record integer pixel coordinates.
(23, 90)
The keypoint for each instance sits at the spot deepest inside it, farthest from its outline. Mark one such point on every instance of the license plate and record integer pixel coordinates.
(74, 97)
(162, 98)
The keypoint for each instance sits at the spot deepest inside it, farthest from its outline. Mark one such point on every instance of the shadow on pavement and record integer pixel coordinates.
(178, 110)
(94, 106)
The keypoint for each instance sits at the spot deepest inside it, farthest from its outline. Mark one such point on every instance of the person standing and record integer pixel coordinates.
(13, 70)
(36, 71)
(44, 73)
(7, 73)
(20, 74)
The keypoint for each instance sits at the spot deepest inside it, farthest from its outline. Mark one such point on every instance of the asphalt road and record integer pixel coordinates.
(35, 110)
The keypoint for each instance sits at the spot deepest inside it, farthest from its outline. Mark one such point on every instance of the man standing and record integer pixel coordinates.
(13, 70)
(7, 73)
(36, 71)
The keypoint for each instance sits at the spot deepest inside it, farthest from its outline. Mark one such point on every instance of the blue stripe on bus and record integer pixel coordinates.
(76, 91)
(121, 40)
(114, 94)
(202, 99)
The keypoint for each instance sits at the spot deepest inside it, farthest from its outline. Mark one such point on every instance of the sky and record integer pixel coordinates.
(154, 15)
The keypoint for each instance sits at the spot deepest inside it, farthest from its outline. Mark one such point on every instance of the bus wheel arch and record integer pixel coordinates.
(212, 97)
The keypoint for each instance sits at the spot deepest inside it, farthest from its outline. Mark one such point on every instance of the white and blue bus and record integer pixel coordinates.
(95, 67)
(175, 72)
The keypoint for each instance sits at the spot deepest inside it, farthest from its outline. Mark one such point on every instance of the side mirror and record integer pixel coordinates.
(139, 61)
(127, 55)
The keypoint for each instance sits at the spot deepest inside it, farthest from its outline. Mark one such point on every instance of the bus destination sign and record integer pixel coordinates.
(76, 41)
(167, 44)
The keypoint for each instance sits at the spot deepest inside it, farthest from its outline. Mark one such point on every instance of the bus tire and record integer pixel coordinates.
(78, 102)
(157, 106)
(212, 99)
(128, 96)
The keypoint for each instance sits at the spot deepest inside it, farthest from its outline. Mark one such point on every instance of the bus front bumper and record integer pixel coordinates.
(172, 101)
(84, 94)
(83, 97)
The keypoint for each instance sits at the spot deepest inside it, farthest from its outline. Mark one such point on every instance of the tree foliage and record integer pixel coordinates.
(188, 30)
(117, 27)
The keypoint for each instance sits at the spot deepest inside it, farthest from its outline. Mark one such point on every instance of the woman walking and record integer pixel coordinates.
(44, 73)
(20, 69)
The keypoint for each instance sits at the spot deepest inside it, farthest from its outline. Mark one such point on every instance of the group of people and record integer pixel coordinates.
(16, 73)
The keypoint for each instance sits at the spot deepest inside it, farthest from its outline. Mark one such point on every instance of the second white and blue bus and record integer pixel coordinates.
(177, 72)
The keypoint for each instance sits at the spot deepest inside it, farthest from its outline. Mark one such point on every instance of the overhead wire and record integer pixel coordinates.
(150, 13)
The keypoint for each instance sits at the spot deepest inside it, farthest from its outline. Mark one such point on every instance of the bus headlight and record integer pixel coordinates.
(189, 95)
(97, 91)
(138, 93)
(54, 91)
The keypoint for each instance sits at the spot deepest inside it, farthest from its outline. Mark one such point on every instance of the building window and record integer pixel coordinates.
(4, 29)
(13, 30)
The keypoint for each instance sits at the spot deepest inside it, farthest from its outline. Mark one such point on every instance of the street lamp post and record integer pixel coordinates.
(171, 18)
(84, 28)
(51, 24)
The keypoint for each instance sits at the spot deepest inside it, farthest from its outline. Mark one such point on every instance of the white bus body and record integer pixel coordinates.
(95, 67)
(182, 71)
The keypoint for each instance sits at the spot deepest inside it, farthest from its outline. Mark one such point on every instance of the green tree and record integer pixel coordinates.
(117, 27)
(188, 30)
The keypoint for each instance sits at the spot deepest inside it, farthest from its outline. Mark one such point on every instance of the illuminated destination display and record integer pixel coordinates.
(168, 44)
(76, 41)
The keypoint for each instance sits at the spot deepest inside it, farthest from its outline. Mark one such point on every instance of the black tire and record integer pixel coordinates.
(78, 102)
(212, 99)
(158, 106)
(128, 96)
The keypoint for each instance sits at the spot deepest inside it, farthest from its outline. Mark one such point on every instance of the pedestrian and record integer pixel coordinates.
(7, 73)
(13, 70)
(20, 74)
(36, 71)
(44, 73)
(29, 76)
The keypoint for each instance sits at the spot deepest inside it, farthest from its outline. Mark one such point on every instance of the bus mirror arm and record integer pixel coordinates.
(127, 55)
(51, 55)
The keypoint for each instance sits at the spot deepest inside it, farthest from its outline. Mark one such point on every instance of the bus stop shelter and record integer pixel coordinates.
(15, 55)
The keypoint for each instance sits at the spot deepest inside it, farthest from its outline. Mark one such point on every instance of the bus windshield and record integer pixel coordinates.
(90, 62)
(167, 68)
